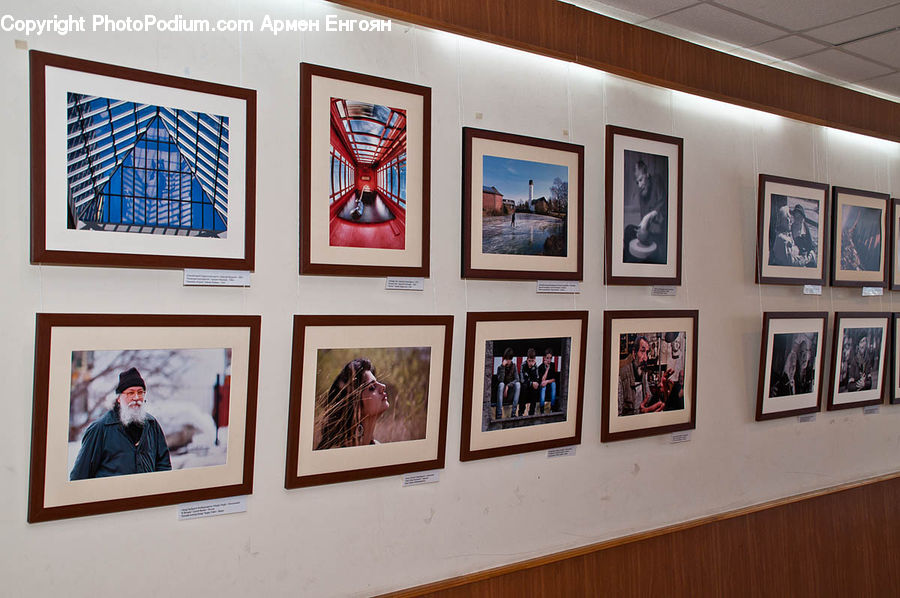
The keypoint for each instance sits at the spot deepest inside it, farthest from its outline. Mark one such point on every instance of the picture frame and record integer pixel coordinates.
(894, 396)
(501, 343)
(792, 354)
(895, 245)
(664, 342)
(368, 397)
(365, 174)
(791, 238)
(644, 182)
(199, 373)
(860, 232)
(139, 169)
(508, 232)
(858, 359)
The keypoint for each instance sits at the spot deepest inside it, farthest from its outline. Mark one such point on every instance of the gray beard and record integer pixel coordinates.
(127, 415)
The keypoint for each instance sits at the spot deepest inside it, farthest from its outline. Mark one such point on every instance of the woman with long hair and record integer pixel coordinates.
(352, 406)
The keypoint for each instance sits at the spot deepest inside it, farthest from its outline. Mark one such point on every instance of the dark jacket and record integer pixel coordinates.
(530, 375)
(552, 375)
(511, 372)
(107, 451)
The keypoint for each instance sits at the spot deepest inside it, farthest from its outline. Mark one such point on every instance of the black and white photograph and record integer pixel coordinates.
(643, 207)
(860, 233)
(790, 231)
(861, 238)
(646, 206)
(793, 367)
(790, 364)
(858, 359)
(793, 232)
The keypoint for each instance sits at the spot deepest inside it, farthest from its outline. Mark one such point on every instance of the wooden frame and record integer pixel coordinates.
(493, 245)
(555, 423)
(347, 228)
(669, 334)
(79, 356)
(894, 395)
(787, 387)
(410, 355)
(858, 381)
(859, 233)
(642, 249)
(894, 236)
(94, 201)
(800, 208)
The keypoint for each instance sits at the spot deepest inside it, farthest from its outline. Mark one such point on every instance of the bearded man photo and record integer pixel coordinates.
(126, 440)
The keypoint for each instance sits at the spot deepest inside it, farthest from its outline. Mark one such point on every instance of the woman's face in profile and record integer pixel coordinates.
(374, 396)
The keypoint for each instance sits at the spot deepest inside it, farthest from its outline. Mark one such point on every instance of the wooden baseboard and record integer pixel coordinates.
(834, 541)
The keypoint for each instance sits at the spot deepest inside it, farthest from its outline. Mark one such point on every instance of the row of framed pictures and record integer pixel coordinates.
(791, 375)
(792, 238)
(134, 168)
(132, 411)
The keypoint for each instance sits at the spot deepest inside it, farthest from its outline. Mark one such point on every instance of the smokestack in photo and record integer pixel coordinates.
(530, 190)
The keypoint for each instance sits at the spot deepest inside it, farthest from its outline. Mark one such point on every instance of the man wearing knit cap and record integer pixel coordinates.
(126, 440)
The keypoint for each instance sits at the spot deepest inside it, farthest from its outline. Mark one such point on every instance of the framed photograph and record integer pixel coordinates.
(135, 411)
(790, 364)
(523, 207)
(860, 231)
(139, 169)
(651, 363)
(895, 245)
(368, 397)
(523, 385)
(895, 359)
(365, 174)
(858, 359)
(790, 242)
(643, 207)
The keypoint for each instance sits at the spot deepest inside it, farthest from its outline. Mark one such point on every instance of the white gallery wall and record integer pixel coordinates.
(366, 537)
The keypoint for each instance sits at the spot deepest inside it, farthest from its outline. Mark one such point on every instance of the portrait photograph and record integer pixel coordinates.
(649, 376)
(136, 411)
(859, 359)
(522, 207)
(140, 169)
(364, 174)
(860, 234)
(523, 382)
(391, 384)
(175, 399)
(791, 231)
(368, 397)
(791, 358)
(643, 207)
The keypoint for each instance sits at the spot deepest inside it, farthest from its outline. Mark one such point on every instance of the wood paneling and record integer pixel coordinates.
(563, 31)
(837, 542)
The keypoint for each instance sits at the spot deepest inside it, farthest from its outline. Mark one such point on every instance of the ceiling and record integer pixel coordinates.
(853, 43)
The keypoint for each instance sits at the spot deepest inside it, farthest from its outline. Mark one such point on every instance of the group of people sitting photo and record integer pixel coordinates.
(529, 387)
